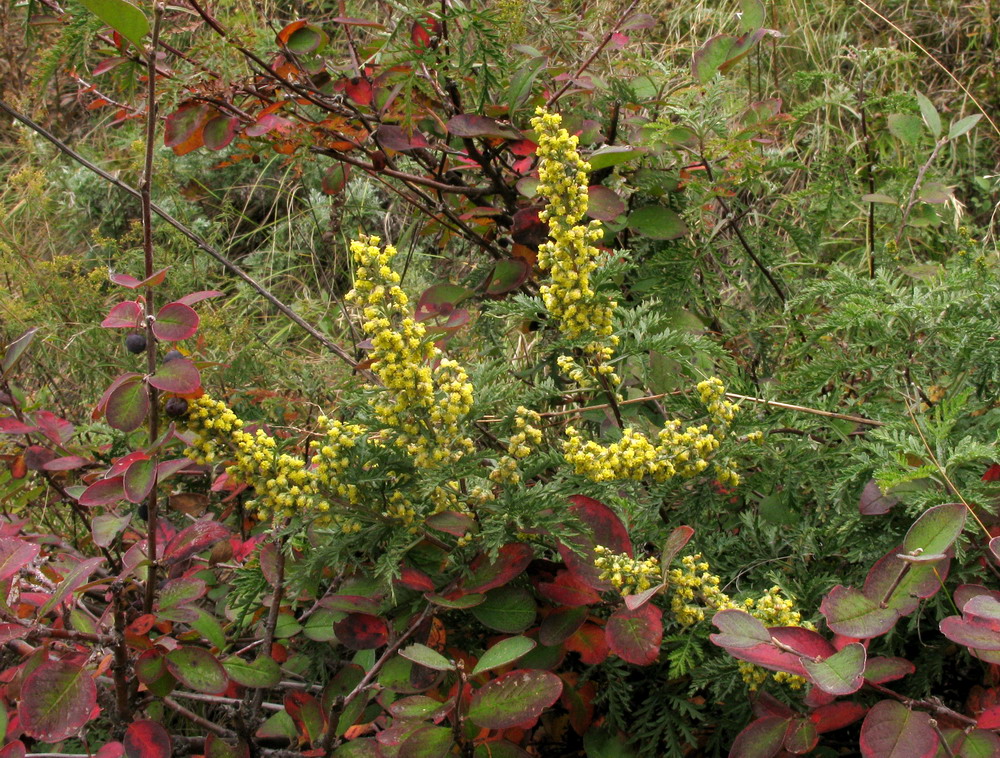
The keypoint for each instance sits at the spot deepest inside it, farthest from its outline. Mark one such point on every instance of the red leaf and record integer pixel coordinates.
(566, 589)
(514, 698)
(606, 529)
(193, 539)
(471, 125)
(18, 467)
(57, 699)
(829, 718)
(359, 90)
(197, 297)
(990, 718)
(147, 739)
(335, 178)
(175, 321)
(74, 579)
(362, 631)
(13, 749)
(604, 204)
(36, 456)
(873, 502)
(763, 738)
(15, 554)
(992, 473)
(10, 425)
(179, 375)
(104, 492)
(130, 282)
(591, 643)
(635, 636)
(510, 562)
(267, 123)
(127, 406)
(139, 480)
(399, 139)
(415, 579)
(110, 750)
(127, 315)
(184, 130)
(66, 463)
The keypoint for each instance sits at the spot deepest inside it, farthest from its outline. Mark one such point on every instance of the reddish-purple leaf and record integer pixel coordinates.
(219, 131)
(105, 528)
(829, 718)
(198, 669)
(801, 737)
(184, 130)
(415, 579)
(193, 539)
(139, 480)
(399, 139)
(110, 750)
(15, 554)
(75, 578)
(804, 642)
(873, 502)
(104, 492)
(852, 614)
(10, 425)
(971, 632)
(637, 601)
(306, 713)
(36, 456)
(604, 204)
(57, 699)
(507, 276)
(605, 529)
(891, 730)
(269, 122)
(362, 631)
(130, 282)
(197, 297)
(66, 463)
(359, 90)
(127, 315)
(514, 698)
(127, 406)
(635, 636)
(175, 321)
(147, 739)
(179, 375)
(453, 522)
(527, 227)
(57, 429)
(510, 562)
(900, 584)
(566, 589)
(13, 749)
(471, 125)
(561, 624)
(440, 300)
(763, 738)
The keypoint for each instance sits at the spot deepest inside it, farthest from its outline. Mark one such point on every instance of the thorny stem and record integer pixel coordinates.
(145, 196)
(195, 238)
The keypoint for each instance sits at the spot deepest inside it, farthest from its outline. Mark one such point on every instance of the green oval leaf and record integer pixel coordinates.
(657, 222)
(936, 530)
(128, 406)
(514, 698)
(122, 16)
(504, 652)
(139, 480)
(198, 669)
(426, 656)
(840, 674)
(612, 155)
(507, 609)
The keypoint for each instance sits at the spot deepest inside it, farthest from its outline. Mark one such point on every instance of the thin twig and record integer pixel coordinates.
(190, 715)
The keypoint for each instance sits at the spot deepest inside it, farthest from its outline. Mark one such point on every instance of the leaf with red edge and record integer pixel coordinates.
(829, 718)
(198, 669)
(110, 750)
(880, 670)
(36, 456)
(197, 297)
(801, 737)
(57, 699)
(635, 636)
(335, 179)
(147, 739)
(511, 561)
(899, 584)
(874, 502)
(307, 714)
(891, 730)
(303, 37)
(472, 125)
(936, 530)
(852, 614)
(15, 554)
(15, 350)
(184, 130)
(739, 630)
(267, 123)
(440, 300)
(18, 467)
(990, 718)
(762, 738)
(174, 322)
(11, 425)
(507, 276)
(75, 578)
(566, 589)
(104, 492)
(139, 480)
(453, 522)
(13, 749)
(220, 131)
(514, 698)
(179, 375)
(193, 539)
(971, 632)
(606, 529)
(399, 139)
(841, 673)
(130, 282)
(359, 90)
(127, 315)
(591, 643)
(66, 463)
(561, 624)
(362, 631)
(604, 204)
(57, 429)
(127, 406)
(528, 229)
(678, 538)
(978, 743)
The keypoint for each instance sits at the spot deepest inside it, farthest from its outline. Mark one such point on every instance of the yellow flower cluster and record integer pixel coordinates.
(426, 406)
(694, 589)
(332, 458)
(630, 576)
(528, 435)
(677, 452)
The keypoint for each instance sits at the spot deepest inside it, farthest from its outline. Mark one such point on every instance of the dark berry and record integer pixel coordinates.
(172, 355)
(135, 343)
(143, 511)
(176, 407)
